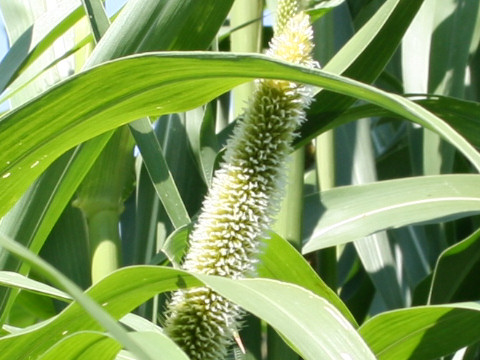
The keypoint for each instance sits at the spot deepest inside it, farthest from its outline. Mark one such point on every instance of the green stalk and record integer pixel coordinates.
(325, 149)
(104, 243)
(100, 198)
(245, 39)
(325, 162)
(288, 222)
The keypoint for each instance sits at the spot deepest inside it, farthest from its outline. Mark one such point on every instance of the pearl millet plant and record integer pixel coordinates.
(243, 197)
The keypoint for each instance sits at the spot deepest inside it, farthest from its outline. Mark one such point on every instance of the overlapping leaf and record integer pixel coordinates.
(84, 106)
(361, 210)
(426, 332)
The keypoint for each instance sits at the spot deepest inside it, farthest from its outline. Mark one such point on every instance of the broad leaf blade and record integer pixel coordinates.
(426, 332)
(312, 324)
(281, 261)
(83, 106)
(391, 204)
(453, 267)
(12, 279)
(83, 345)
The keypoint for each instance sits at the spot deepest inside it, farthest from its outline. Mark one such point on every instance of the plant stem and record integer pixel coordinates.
(246, 39)
(104, 243)
(288, 222)
(100, 198)
(325, 160)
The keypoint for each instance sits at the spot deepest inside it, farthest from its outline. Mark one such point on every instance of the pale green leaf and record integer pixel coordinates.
(160, 344)
(83, 345)
(352, 212)
(281, 261)
(152, 155)
(12, 279)
(315, 327)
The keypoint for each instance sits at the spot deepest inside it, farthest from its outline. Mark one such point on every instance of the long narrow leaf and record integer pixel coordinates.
(157, 168)
(353, 212)
(423, 333)
(81, 108)
(282, 262)
(12, 279)
(83, 345)
(315, 326)
(32, 43)
(453, 266)
(24, 351)
(363, 58)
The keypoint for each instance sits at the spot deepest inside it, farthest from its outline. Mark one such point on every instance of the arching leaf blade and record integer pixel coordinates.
(391, 204)
(153, 84)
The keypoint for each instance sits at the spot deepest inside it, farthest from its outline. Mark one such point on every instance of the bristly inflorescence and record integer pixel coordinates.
(243, 197)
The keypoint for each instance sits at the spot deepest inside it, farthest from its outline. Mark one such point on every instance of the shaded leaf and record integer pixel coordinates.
(453, 267)
(12, 279)
(423, 332)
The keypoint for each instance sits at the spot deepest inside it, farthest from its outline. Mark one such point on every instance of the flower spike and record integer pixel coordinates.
(243, 198)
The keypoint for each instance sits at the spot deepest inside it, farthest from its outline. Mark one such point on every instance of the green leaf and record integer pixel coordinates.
(279, 260)
(138, 323)
(69, 236)
(33, 42)
(127, 288)
(176, 25)
(154, 341)
(28, 344)
(427, 332)
(415, 50)
(12, 279)
(157, 168)
(374, 250)
(30, 308)
(453, 266)
(324, 7)
(315, 327)
(391, 204)
(462, 115)
(83, 107)
(128, 27)
(83, 345)
(201, 134)
(97, 17)
(452, 37)
(176, 245)
(32, 219)
(130, 31)
(141, 219)
(172, 132)
(363, 58)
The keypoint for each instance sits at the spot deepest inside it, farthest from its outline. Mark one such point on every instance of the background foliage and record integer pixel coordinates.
(115, 127)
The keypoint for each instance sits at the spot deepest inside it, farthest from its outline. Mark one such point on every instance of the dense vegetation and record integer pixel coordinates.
(117, 126)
